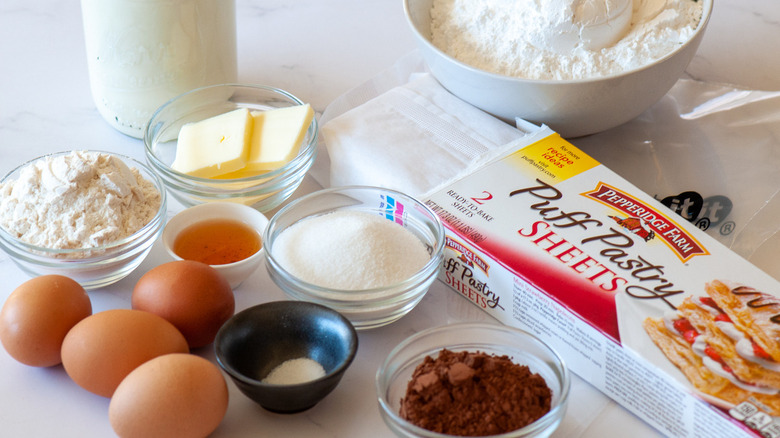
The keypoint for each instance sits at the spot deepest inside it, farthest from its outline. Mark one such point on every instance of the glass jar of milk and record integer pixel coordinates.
(141, 53)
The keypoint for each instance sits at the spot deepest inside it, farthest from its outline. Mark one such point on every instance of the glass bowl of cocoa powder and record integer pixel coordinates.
(473, 379)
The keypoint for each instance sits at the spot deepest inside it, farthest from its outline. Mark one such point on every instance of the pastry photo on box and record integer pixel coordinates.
(726, 343)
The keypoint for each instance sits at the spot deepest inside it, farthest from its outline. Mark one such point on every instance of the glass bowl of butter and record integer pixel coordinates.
(249, 144)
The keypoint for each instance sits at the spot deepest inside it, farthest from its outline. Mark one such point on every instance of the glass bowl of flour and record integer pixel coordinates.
(578, 66)
(92, 216)
(367, 252)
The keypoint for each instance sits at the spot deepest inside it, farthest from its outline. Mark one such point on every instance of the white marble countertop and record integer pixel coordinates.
(316, 49)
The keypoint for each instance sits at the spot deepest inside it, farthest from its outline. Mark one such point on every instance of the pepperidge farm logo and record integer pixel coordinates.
(648, 220)
(465, 255)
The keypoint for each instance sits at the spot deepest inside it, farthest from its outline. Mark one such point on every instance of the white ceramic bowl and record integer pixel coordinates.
(235, 272)
(92, 267)
(572, 108)
(523, 348)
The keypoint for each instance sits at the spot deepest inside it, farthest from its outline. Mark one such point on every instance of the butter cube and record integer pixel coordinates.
(214, 146)
(277, 136)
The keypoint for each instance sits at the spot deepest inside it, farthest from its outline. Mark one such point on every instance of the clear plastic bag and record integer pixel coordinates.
(711, 152)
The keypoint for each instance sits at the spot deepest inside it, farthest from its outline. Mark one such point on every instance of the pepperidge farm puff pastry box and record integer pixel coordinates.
(648, 308)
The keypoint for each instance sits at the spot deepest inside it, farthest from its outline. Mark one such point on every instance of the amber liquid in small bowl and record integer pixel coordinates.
(217, 242)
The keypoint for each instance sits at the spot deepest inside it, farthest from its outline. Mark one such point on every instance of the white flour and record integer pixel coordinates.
(78, 200)
(518, 37)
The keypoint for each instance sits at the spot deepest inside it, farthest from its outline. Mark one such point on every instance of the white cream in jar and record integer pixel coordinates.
(141, 53)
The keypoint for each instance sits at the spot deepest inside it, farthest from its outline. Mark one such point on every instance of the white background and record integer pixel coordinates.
(316, 49)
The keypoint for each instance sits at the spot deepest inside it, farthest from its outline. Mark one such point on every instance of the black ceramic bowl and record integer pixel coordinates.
(256, 340)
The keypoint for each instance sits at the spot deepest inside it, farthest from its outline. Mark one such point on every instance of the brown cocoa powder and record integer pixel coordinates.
(474, 394)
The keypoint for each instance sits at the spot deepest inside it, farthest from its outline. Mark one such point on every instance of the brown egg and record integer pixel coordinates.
(175, 395)
(38, 314)
(193, 296)
(102, 349)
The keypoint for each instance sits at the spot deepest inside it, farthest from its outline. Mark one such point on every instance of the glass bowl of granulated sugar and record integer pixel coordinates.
(473, 379)
(580, 67)
(92, 216)
(368, 252)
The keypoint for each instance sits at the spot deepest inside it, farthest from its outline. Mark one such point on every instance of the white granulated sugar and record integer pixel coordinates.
(517, 37)
(77, 200)
(350, 250)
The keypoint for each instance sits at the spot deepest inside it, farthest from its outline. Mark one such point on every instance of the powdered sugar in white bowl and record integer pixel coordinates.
(572, 105)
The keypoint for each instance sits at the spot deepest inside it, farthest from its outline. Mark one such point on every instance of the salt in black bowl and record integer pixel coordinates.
(257, 340)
